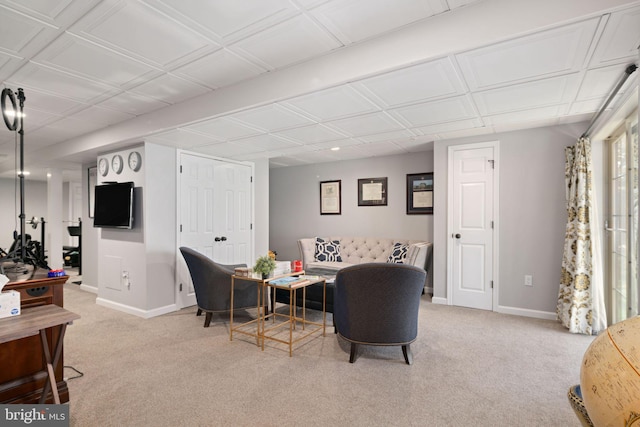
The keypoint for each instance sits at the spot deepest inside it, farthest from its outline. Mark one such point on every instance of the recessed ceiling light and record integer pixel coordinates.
(335, 148)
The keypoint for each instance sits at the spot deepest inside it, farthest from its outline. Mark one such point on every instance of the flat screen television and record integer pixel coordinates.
(114, 205)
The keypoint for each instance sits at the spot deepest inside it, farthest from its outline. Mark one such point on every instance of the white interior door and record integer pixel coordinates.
(471, 220)
(215, 203)
(232, 207)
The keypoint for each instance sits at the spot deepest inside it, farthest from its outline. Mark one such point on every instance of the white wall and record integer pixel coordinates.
(294, 202)
(532, 215)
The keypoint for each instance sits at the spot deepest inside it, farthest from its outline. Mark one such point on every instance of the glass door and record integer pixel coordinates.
(622, 225)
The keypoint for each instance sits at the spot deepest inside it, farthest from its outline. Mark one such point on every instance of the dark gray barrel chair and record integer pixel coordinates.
(212, 284)
(377, 304)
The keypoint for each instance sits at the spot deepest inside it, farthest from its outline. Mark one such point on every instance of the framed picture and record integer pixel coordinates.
(330, 197)
(372, 192)
(92, 174)
(420, 193)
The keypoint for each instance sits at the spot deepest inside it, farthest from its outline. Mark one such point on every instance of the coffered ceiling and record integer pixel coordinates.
(290, 80)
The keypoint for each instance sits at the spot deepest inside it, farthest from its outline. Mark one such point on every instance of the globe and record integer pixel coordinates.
(610, 376)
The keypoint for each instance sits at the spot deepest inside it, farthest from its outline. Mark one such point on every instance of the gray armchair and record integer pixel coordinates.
(212, 285)
(377, 304)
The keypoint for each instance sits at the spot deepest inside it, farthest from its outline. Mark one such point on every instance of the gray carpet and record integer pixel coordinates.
(470, 367)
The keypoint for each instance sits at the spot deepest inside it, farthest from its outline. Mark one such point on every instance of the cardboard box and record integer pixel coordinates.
(9, 304)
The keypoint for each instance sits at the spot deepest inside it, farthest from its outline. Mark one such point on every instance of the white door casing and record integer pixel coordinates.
(215, 201)
(472, 223)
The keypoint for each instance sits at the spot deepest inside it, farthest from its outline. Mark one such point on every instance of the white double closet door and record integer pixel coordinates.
(215, 214)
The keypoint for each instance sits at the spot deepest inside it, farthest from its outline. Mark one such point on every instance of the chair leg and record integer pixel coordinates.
(406, 351)
(207, 319)
(354, 352)
(199, 312)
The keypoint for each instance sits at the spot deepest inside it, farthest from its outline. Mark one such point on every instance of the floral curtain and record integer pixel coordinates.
(575, 307)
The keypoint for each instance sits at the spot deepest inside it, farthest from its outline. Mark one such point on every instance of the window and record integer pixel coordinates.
(622, 223)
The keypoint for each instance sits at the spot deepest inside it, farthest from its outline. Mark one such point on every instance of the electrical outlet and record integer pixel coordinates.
(125, 279)
(528, 280)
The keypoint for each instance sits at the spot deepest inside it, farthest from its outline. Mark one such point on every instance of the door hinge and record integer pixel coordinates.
(251, 226)
(251, 179)
(180, 287)
(181, 228)
(180, 168)
(493, 164)
(492, 284)
(492, 225)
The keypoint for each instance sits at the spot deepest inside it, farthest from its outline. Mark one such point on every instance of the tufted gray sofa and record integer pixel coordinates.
(353, 251)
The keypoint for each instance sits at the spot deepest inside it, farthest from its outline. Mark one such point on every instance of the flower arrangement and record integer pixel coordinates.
(264, 266)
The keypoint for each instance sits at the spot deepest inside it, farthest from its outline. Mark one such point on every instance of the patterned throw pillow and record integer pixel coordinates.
(328, 250)
(398, 253)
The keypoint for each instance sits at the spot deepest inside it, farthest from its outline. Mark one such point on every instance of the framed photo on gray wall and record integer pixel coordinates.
(331, 197)
(372, 192)
(420, 193)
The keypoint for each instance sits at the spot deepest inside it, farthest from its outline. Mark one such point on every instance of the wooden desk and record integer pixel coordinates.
(36, 321)
(24, 372)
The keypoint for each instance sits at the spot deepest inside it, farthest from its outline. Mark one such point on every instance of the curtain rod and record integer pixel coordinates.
(627, 72)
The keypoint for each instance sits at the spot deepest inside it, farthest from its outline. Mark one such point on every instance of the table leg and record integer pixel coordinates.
(231, 313)
(51, 364)
(292, 304)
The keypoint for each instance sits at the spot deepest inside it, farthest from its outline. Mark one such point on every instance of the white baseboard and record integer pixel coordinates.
(145, 314)
(527, 312)
(439, 300)
(92, 289)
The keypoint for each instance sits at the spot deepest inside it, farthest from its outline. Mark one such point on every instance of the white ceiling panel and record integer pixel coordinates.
(356, 20)
(459, 3)
(17, 31)
(381, 148)
(334, 103)
(220, 68)
(228, 150)
(429, 113)
(311, 134)
(450, 126)
(367, 124)
(292, 41)
(224, 129)
(227, 21)
(536, 94)
(101, 116)
(436, 79)
(34, 118)
(527, 116)
(265, 143)
(170, 89)
(142, 32)
(582, 107)
(388, 136)
(132, 103)
(620, 40)
(50, 103)
(272, 118)
(78, 56)
(341, 143)
(46, 79)
(54, 12)
(599, 82)
(547, 53)
(183, 138)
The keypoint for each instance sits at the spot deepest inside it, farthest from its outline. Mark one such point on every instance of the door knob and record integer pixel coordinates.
(216, 239)
(457, 235)
(224, 239)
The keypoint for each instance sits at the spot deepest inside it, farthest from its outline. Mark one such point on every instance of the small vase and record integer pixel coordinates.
(265, 276)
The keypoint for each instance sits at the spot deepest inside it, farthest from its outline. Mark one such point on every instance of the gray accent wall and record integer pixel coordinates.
(294, 202)
(531, 220)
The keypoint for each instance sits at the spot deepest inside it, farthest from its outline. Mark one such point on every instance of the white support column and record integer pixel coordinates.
(54, 219)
